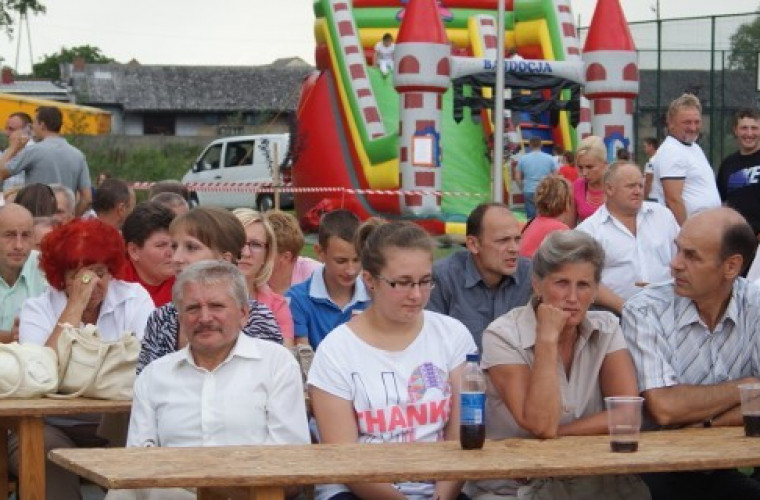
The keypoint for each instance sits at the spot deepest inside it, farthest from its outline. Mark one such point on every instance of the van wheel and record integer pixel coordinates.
(265, 202)
(193, 201)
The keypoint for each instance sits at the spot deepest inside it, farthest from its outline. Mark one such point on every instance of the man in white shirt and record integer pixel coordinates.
(684, 181)
(224, 388)
(637, 236)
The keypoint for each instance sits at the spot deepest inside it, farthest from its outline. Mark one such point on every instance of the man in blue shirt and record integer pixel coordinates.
(531, 168)
(333, 294)
(490, 278)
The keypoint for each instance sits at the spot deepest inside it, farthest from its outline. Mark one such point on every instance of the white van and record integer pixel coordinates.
(248, 158)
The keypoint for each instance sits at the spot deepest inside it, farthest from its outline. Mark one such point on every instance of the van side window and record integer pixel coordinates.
(239, 154)
(211, 159)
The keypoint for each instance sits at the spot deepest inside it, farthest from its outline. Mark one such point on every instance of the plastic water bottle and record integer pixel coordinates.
(472, 427)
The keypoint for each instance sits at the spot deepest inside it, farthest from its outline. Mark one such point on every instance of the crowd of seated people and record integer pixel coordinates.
(628, 303)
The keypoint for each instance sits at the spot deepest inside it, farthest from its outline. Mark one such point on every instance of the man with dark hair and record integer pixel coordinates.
(50, 160)
(114, 201)
(695, 339)
(739, 173)
(149, 250)
(490, 278)
(650, 149)
(531, 168)
(22, 122)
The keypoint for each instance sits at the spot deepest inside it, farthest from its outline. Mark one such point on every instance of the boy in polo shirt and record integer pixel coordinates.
(333, 294)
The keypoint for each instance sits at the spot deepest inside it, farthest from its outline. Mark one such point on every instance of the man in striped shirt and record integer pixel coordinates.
(695, 339)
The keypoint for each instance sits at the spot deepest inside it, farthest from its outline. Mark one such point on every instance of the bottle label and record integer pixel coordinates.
(473, 406)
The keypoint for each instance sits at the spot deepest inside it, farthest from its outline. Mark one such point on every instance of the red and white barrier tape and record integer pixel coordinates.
(256, 187)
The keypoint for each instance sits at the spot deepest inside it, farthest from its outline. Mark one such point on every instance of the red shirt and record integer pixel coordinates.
(538, 229)
(569, 172)
(161, 293)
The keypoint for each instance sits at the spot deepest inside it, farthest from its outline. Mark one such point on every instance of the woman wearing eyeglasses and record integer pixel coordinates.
(203, 233)
(256, 263)
(391, 373)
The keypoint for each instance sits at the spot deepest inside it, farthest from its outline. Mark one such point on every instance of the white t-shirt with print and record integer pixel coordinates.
(399, 397)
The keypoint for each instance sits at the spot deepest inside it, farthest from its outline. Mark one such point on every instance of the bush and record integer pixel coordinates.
(145, 158)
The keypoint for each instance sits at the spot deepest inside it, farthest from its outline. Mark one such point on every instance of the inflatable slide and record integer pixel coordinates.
(350, 151)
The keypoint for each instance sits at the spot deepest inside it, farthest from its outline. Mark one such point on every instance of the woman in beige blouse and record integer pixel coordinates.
(551, 363)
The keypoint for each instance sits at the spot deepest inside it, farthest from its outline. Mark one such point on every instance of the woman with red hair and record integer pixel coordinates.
(83, 261)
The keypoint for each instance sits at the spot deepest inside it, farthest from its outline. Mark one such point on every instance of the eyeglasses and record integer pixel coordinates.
(425, 284)
(255, 246)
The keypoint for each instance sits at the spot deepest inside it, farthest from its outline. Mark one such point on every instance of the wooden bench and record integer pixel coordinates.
(262, 472)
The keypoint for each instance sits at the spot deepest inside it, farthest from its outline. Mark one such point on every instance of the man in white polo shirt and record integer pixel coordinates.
(683, 179)
(637, 236)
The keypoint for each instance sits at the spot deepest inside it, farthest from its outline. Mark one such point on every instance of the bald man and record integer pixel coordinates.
(20, 276)
(637, 237)
(695, 339)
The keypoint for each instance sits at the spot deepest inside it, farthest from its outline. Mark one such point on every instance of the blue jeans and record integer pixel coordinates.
(530, 205)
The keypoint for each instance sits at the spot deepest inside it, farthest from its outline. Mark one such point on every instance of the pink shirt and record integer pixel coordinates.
(303, 269)
(583, 208)
(536, 231)
(279, 307)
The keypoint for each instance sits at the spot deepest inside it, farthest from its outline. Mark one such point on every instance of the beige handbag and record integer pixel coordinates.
(92, 368)
(27, 370)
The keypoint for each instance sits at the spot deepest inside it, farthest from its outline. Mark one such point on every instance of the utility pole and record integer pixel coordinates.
(498, 111)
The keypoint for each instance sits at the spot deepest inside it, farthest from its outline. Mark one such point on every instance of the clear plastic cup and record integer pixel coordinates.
(750, 395)
(624, 422)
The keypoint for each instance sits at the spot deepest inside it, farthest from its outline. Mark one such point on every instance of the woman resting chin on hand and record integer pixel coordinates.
(551, 364)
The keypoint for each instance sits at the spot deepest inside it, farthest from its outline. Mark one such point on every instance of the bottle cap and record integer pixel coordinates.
(475, 357)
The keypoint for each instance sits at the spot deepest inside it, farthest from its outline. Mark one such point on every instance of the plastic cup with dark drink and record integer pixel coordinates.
(624, 422)
(750, 395)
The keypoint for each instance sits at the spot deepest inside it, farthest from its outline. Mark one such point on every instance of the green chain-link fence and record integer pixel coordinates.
(695, 55)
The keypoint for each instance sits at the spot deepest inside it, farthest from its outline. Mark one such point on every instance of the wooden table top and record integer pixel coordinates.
(43, 407)
(686, 449)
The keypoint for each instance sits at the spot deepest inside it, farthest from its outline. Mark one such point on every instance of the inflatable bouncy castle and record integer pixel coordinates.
(415, 143)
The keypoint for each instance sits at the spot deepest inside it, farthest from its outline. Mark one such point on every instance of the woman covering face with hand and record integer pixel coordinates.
(83, 261)
(203, 233)
(393, 356)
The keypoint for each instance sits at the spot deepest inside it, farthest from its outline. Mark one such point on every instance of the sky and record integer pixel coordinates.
(232, 32)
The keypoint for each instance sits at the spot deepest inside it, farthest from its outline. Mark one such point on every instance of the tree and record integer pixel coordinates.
(50, 67)
(20, 6)
(745, 44)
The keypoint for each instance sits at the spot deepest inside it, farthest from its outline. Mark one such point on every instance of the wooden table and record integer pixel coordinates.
(25, 416)
(263, 471)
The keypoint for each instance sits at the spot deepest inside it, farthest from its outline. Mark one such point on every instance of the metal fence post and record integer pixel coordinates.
(712, 89)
